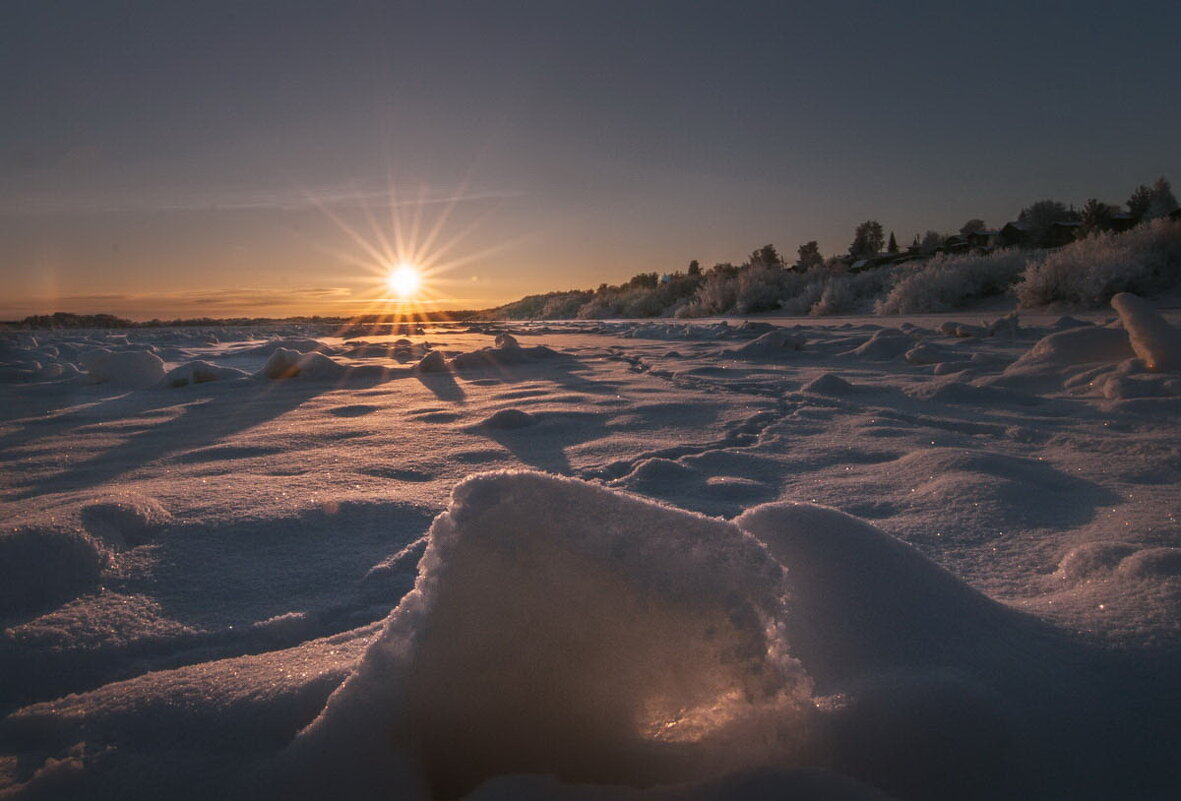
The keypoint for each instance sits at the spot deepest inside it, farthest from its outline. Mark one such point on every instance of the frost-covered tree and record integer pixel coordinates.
(809, 256)
(1149, 203)
(1096, 216)
(1162, 203)
(972, 226)
(1039, 219)
(932, 241)
(766, 256)
(867, 240)
(694, 268)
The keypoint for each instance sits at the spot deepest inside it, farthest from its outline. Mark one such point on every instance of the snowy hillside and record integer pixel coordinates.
(925, 558)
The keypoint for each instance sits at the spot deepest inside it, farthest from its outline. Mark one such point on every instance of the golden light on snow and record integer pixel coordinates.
(404, 281)
(670, 723)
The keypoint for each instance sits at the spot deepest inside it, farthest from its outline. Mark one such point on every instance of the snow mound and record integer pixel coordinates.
(927, 353)
(432, 362)
(1006, 326)
(1098, 561)
(829, 384)
(772, 343)
(1152, 563)
(509, 418)
(284, 363)
(297, 344)
(864, 602)
(129, 368)
(558, 627)
(884, 345)
(41, 567)
(125, 521)
(952, 391)
(1066, 321)
(1091, 560)
(506, 351)
(200, 372)
(1079, 346)
(1153, 339)
(1055, 358)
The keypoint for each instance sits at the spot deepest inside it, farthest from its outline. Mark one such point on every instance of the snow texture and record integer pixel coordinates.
(1153, 339)
(919, 560)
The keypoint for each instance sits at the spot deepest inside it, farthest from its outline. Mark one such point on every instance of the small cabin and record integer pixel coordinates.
(1013, 234)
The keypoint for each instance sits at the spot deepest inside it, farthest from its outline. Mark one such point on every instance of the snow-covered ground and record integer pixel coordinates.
(915, 558)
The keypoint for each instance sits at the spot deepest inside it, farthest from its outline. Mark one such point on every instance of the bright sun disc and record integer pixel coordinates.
(404, 280)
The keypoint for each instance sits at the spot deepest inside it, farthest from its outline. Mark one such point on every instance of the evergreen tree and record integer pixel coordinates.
(809, 256)
(766, 256)
(892, 246)
(867, 240)
(1162, 202)
(1148, 203)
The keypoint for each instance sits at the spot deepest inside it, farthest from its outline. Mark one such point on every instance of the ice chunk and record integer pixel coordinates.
(1153, 339)
(559, 627)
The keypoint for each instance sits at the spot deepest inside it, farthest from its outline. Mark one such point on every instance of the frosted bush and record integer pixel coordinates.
(948, 282)
(716, 295)
(759, 289)
(851, 293)
(564, 306)
(805, 296)
(600, 306)
(1088, 273)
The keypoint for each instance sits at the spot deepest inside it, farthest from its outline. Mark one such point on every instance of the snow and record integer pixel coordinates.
(133, 368)
(199, 372)
(842, 558)
(1153, 339)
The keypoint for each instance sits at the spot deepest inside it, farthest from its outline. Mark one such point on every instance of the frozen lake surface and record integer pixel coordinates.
(911, 558)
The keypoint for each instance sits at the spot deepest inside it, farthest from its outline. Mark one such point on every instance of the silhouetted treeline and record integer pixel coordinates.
(67, 320)
(844, 283)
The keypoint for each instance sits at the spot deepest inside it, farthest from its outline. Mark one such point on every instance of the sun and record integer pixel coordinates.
(404, 280)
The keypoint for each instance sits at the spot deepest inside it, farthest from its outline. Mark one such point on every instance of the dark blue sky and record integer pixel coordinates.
(157, 158)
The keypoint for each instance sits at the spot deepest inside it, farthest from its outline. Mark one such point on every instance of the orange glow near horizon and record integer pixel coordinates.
(408, 254)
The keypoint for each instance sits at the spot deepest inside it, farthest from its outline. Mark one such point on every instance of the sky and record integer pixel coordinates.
(179, 159)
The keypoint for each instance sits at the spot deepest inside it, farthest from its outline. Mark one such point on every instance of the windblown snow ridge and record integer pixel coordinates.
(561, 628)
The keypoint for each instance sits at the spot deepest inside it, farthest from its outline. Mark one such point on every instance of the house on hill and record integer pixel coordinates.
(983, 239)
(1062, 233)
(1013, 234)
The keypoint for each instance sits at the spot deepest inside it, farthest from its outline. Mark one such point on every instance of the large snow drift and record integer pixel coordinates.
(613, 641)
(608, 640)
